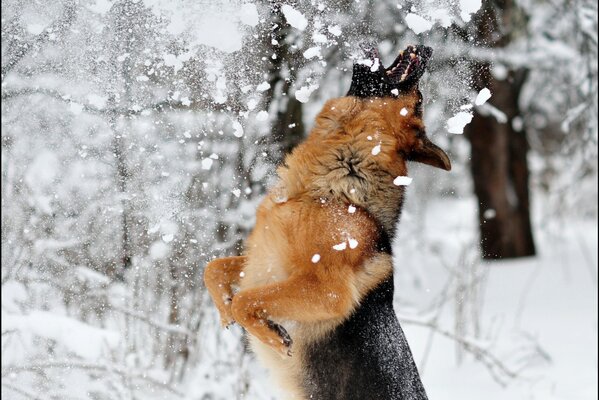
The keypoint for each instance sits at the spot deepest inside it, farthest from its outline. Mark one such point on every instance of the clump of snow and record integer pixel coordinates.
(402, 181)
(353, 243)
(167, 238)
(457, 123)
(262, 116)
(403, 112)
(294, 18)
(236, 192)
(418, 24)
(176, 61)
(376, 150)
(252, 103)
(206, 164)
(395, 92)
(159, 251)
(469, 7)
(315, 258)
(482, 97)
(264, 86)
(312, 52)
(351, 209)
(303, 93)
(340, 246)
(375, 65)
(248, 14)
(334, 30)
(489, 213)
(237, 129)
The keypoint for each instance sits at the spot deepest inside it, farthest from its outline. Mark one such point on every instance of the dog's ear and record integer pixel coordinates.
(427, 152)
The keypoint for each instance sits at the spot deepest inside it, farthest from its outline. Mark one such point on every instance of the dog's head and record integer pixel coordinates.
(361, 142)
(392, 93)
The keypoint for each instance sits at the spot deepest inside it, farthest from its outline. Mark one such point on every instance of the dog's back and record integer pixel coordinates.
(365, 358)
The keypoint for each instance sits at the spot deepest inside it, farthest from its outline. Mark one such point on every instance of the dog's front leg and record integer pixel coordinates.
(302, 298)
(219, 276)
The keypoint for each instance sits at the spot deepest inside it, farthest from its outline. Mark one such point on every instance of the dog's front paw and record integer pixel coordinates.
(226, 315)
(285, 341)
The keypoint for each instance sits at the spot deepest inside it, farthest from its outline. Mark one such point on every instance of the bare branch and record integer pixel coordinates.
(57, 28)
(23, 392)
(498, 370)
(162, 106)
(71, 364)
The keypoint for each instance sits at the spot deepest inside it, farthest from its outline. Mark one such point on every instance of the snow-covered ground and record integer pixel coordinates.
(549, 301)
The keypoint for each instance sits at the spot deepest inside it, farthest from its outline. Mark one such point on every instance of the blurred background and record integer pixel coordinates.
(138, 136)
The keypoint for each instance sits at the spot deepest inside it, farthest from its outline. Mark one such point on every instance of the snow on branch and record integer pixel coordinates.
(86, 366)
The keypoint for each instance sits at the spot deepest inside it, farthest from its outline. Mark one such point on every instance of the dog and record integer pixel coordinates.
(315, 283)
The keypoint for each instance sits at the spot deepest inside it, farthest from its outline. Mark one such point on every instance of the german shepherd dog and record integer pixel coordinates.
(314, 289)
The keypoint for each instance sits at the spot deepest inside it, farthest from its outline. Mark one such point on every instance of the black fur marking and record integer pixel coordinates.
(365, 358)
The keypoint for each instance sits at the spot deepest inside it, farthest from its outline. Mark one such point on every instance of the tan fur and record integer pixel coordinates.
(307, 213)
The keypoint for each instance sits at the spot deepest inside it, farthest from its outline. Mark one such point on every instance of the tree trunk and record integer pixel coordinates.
(498, 164)
(500, 171)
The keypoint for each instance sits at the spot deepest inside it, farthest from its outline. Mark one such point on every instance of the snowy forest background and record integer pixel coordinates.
(138, 137)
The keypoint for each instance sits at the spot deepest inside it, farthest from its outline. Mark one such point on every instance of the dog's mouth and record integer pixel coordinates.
(409, 65)
(372, 80)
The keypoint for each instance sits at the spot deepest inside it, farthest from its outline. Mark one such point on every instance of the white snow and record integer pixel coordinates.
(353, 243)
(75, 108)
(376, 150)
(97, 100)
(315, 258)
(236, 192)
(82, 339)
(351, 209)
(168, 237)
(469, 7)
(395, 92)
(489, 213)
(403, 112)
(264, 86)
(340, 246)
(303, 93)
(482, 97)
(294, 18)
(248, 14)
(159, 250)
(334, 30)
(35, 29)
(417, 23)
(375, 65)
(457, 123)
(262, 116)
(100, 6)
(402, 181)
(312, 52)
(207, 163)
(237, 129)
